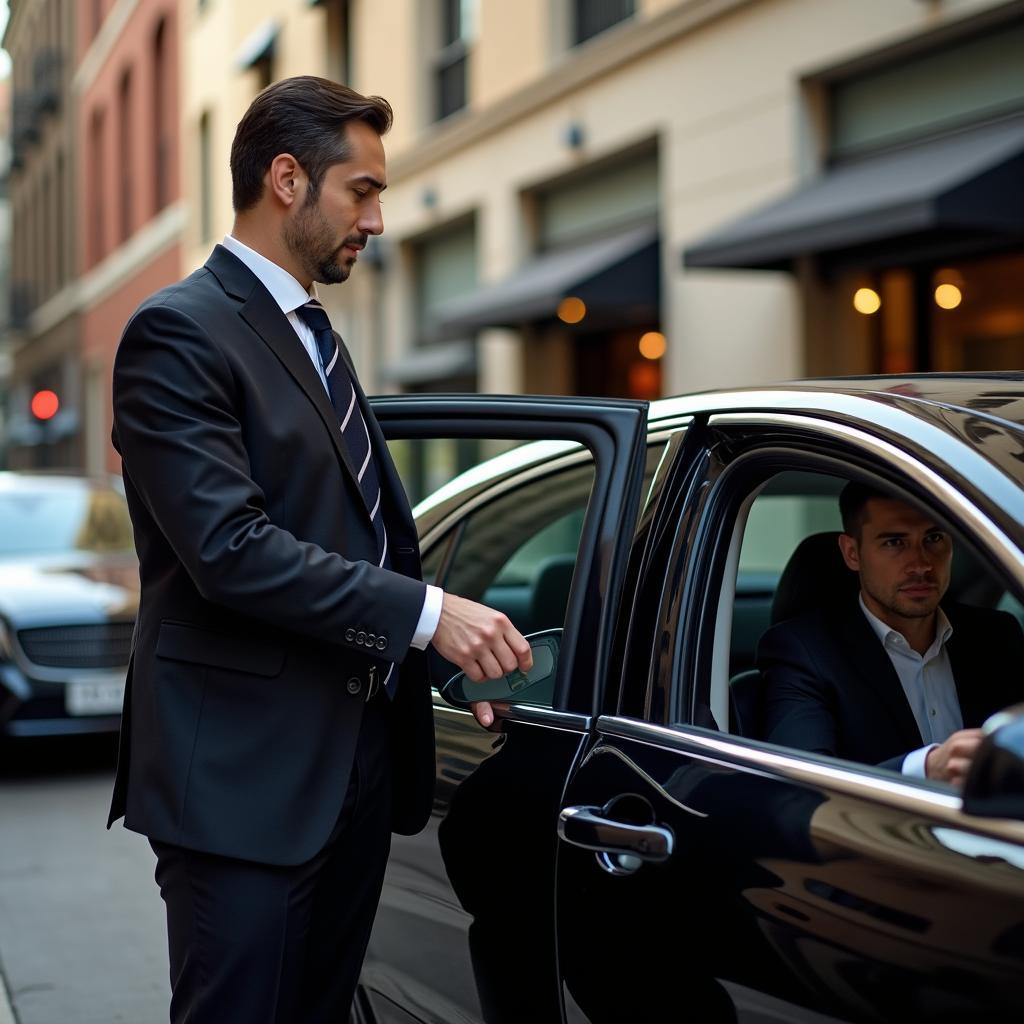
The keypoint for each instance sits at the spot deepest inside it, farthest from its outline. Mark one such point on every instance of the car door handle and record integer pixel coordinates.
(587, 827)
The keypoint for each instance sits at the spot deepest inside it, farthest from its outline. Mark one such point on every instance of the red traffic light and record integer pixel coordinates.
(45, 405)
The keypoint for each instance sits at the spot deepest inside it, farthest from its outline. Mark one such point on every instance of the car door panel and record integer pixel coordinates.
(465, 928)
(800, 887)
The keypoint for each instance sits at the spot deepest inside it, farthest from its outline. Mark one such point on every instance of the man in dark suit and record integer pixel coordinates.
(892, 677)
(270, 741)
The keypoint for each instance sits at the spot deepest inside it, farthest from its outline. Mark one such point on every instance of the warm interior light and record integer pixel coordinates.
(571, 310)
(948, 296)
(867, 301)
(45, 405)
(652, 345)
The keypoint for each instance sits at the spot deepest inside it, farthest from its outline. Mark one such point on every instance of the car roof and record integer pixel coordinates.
(993, 395)
(968, 407)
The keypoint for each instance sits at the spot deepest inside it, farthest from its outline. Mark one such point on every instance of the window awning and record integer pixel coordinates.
(614, 276)
(258, 45)
(970, 183)
(426, 363)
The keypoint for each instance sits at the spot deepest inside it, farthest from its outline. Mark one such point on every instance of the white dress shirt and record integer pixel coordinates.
(927, 681)
(290, 295)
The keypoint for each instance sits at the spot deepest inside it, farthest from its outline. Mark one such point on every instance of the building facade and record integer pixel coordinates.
(42, 322)
(128, 196)
(627, 197)
(95, 199)
(634, 196)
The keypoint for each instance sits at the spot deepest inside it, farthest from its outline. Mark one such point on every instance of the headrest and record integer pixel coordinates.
(551, 592)
(815, 575)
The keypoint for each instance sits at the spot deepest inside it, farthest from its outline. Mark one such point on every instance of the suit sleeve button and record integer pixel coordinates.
(371, 639)
(361, 638)
(353, 686)
(350, 634)
(382, 642)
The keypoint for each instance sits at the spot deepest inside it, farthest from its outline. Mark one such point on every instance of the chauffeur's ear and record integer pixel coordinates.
(286, 180)
(850, 551)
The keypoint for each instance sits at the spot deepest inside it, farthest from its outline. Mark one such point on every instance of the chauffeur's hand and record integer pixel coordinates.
(951, 761)
(482, 642)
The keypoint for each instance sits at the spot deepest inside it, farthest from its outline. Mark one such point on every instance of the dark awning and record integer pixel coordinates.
(424, 364)
(618, 275)
(970, 183)
(258, 45)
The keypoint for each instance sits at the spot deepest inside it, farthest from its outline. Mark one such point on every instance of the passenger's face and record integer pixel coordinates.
(903, 559)
(327, 234)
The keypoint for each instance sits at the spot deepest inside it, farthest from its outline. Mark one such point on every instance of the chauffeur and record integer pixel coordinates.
(270, 739)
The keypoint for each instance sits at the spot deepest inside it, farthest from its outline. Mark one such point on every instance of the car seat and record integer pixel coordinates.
(815, 576)
(551, 592)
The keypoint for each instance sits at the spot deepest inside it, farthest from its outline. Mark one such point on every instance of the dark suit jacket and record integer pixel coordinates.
(831, 688)
(260, 619)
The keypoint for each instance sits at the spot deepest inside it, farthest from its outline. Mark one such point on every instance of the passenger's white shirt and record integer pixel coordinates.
(928, 683)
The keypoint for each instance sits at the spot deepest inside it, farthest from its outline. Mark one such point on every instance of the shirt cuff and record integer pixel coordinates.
(429, 618)
(913, 763)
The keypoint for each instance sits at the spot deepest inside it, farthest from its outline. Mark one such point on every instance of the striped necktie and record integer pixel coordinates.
(356, 437)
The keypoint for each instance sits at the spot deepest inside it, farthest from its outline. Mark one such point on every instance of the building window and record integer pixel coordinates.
(124, 153)
(205, 179)
(97, 241)
(974, 80)
(450, 68)
(591, 17)
(62, 254)
(446, 269)
(339, 40)
(161, 118)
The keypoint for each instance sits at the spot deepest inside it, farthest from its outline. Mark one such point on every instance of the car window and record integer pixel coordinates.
(62, 517)
(785, 567)
(517, 552)
(788, 509)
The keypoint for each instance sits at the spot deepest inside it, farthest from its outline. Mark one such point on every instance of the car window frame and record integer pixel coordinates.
(752, 460)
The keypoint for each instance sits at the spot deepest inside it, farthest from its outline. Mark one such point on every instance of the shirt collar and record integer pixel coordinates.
(885, 632)
(286, 291)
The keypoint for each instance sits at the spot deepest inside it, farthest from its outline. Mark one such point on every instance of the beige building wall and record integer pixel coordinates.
(718, 83)
(215, 37)
(724, 87)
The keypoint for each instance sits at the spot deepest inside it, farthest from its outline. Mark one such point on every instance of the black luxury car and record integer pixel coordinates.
(69, 584)
(621, 845)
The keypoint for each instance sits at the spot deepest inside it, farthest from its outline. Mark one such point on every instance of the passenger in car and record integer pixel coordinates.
(891, 676)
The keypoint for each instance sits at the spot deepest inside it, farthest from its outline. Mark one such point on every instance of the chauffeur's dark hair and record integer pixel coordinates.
(306, 117)
(853, 500)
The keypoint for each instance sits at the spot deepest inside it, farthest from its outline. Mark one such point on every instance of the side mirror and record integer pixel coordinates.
(534, 687)
(995, 784)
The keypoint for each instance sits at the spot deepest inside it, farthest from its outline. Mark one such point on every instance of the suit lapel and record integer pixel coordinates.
(264, 316)
(867, 658)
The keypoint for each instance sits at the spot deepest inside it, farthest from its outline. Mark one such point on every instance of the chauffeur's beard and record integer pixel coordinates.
(314, 244)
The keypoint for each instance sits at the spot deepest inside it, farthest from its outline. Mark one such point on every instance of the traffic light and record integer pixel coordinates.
(44, 405)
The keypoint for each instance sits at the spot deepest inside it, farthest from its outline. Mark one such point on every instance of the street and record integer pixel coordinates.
(81, 922)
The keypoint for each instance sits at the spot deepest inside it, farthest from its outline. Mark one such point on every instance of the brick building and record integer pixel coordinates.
(42, 335)
(130, 212)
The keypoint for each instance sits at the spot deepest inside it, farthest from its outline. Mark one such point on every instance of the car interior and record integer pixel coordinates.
(784, 560)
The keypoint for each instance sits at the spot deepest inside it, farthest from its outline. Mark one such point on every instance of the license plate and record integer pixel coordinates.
(101, 696)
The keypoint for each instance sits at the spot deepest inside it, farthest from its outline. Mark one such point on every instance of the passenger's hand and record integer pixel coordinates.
(951, 761)
(482, 642)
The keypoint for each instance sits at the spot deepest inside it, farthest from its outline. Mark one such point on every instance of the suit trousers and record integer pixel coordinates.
(255, 943)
